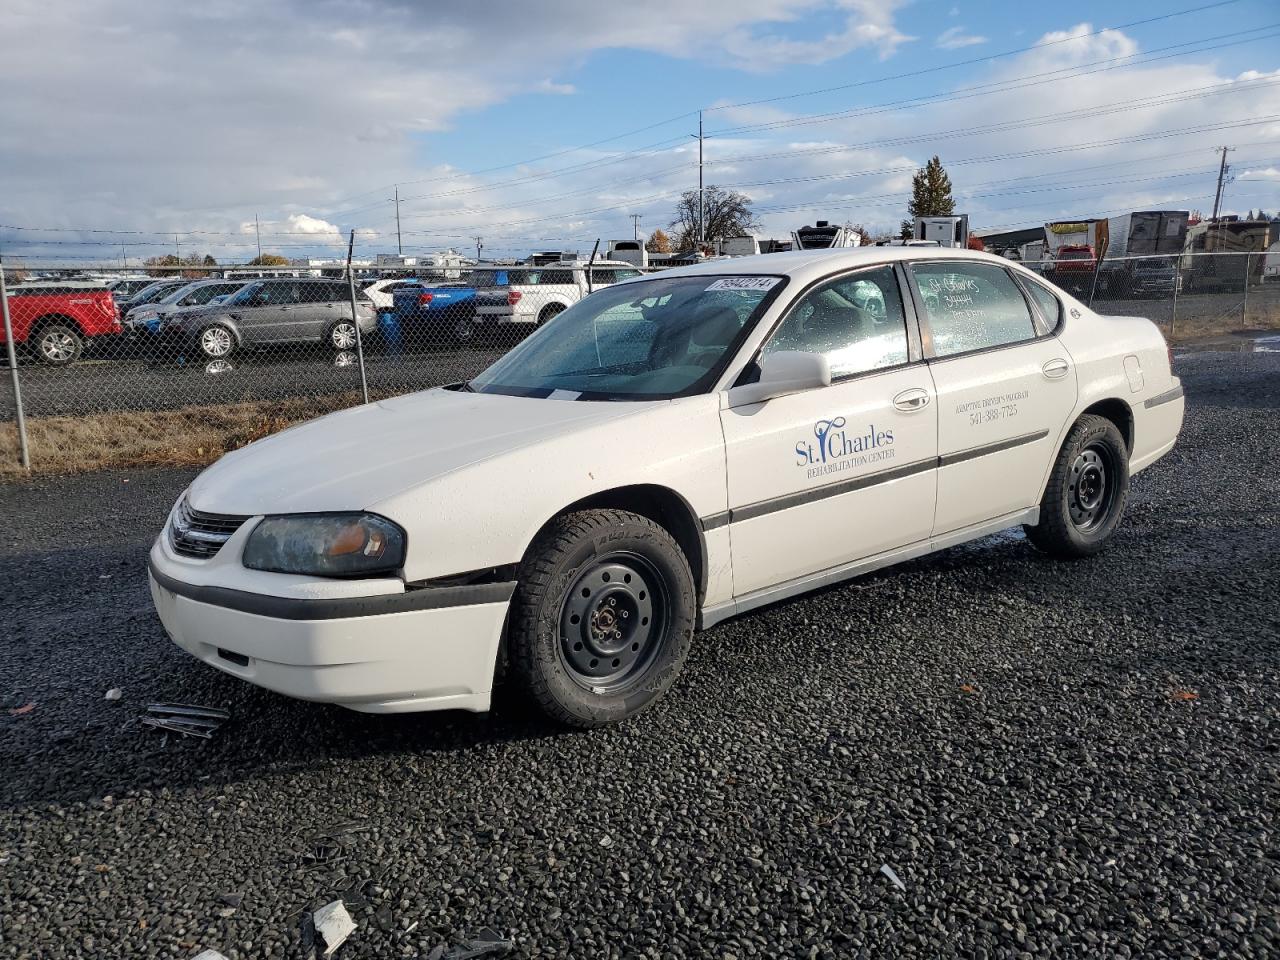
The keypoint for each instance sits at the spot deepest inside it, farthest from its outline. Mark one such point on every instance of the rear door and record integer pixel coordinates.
(269, 318)
(825, 477)
(1005, 386)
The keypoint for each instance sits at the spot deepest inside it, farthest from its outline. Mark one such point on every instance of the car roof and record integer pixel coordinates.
(803, 264)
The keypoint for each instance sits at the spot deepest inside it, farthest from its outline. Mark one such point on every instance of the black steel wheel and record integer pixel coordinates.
(602, 617)
(1088, 493)
(612, 621)
(1087, 490)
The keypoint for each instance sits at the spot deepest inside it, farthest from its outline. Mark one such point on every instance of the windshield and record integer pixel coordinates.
(152, 293)
(649, 340)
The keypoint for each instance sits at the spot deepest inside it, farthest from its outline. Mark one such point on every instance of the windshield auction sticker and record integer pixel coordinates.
(745, 283)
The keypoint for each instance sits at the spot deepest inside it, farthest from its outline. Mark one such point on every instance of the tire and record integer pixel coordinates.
(58, 344)
(341, 336)
(602, 617)
(464, 331)
(1088, 488)
(216, 342)
(550, 312)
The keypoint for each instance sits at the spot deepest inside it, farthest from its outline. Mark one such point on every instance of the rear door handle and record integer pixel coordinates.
(916, 398)
(1056, 369)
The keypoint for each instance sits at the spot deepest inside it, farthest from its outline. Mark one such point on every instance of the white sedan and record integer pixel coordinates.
(671, 451)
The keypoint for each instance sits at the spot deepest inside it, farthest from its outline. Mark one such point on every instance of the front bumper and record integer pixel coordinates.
(430, 649)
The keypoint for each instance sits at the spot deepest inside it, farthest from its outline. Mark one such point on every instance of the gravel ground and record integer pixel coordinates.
(1056, 759)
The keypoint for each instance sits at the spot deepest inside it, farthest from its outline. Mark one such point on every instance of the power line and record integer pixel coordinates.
(912, 74)
(1005, 86)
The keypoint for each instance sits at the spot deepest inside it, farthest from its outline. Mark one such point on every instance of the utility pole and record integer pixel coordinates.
(399, 246)
(177, 249)
(1222, 180)
(124, 258)
(258, 230)
(479, 247)
(700, 232)
(635, 225)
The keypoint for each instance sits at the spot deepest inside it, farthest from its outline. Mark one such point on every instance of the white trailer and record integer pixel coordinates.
(633, 252)
(946, 231)
(822, 236)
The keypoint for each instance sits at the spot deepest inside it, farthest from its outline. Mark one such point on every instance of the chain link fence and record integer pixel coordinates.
(116, 368)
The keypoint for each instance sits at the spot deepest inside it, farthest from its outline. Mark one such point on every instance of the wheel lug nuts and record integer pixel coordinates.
(613, 602)
(625, 614)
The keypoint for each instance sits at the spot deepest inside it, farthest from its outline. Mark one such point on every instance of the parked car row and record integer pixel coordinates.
(504, 297)
(211, 318)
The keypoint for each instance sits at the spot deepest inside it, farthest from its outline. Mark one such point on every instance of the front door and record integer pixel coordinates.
(1005, 387)
(828, 476)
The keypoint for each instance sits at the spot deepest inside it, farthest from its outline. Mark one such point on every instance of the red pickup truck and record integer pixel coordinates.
(58, 320)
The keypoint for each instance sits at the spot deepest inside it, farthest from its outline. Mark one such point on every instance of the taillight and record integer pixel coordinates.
(424, 299)
(513, 297)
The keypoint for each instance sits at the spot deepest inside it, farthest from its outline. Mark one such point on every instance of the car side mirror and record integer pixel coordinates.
(781, 373)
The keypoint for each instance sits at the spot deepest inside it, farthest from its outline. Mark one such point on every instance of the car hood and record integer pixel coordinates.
(356, 458)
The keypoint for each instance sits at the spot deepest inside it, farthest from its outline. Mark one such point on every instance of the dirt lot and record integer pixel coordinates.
(1076, 759)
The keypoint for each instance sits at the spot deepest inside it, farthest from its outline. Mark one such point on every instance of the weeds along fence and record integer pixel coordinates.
(113, 368)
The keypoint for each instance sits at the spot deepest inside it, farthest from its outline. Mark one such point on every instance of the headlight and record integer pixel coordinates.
(326, 544)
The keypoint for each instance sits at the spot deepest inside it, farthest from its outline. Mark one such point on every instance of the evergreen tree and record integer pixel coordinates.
(930, 193)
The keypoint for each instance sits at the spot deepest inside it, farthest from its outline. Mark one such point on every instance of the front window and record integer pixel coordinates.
(856, 322)
(651, 340)
(245, 296)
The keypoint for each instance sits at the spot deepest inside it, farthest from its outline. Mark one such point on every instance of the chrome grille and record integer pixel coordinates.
(199, 535)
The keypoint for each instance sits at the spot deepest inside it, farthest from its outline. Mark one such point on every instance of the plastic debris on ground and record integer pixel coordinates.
(208, 955)
(115, 693)
(486, 943)
(888, 872)
(188, 719)
(333, 924)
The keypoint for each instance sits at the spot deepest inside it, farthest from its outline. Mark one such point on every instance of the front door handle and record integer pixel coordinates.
(1056, 369)
(916, 398)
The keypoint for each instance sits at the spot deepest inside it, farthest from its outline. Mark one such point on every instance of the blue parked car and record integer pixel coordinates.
(426, 313)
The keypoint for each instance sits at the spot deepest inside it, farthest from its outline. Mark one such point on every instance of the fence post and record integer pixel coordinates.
(25, 451)
(1244, 306)
(355, 319)
(1177, 285)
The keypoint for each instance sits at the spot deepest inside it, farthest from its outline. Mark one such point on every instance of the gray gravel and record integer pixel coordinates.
(1056, 759)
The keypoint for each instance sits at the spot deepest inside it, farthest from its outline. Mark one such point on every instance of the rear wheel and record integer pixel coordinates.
(59, 344)
(216, 342)
(602, 619)
(1087, 491)
(342, 335)
(550, 312)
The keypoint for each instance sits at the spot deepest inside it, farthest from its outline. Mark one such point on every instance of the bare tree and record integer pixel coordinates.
(727, 214)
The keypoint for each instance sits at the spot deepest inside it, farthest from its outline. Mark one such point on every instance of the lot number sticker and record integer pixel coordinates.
(745, 283)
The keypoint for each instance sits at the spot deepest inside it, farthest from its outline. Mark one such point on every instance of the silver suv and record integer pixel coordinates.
(282, 310)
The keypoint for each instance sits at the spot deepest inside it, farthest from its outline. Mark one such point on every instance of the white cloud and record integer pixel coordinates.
(287, 119)
(954, 38)
(550, 86)
(214, 111)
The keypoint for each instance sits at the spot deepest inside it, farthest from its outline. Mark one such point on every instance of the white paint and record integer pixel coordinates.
(472, 478)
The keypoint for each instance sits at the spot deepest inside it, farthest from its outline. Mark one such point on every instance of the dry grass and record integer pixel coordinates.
(191, 436)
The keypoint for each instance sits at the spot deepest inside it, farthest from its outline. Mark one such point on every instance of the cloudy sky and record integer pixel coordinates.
(125, 122)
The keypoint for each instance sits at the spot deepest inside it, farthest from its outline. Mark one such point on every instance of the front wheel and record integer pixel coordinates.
(1087, 491)
(602, 619)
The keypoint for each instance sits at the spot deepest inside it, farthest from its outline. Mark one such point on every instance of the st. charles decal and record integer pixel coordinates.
(834, 448)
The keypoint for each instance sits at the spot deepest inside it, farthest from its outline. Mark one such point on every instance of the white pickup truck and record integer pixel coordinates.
(535, 294)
